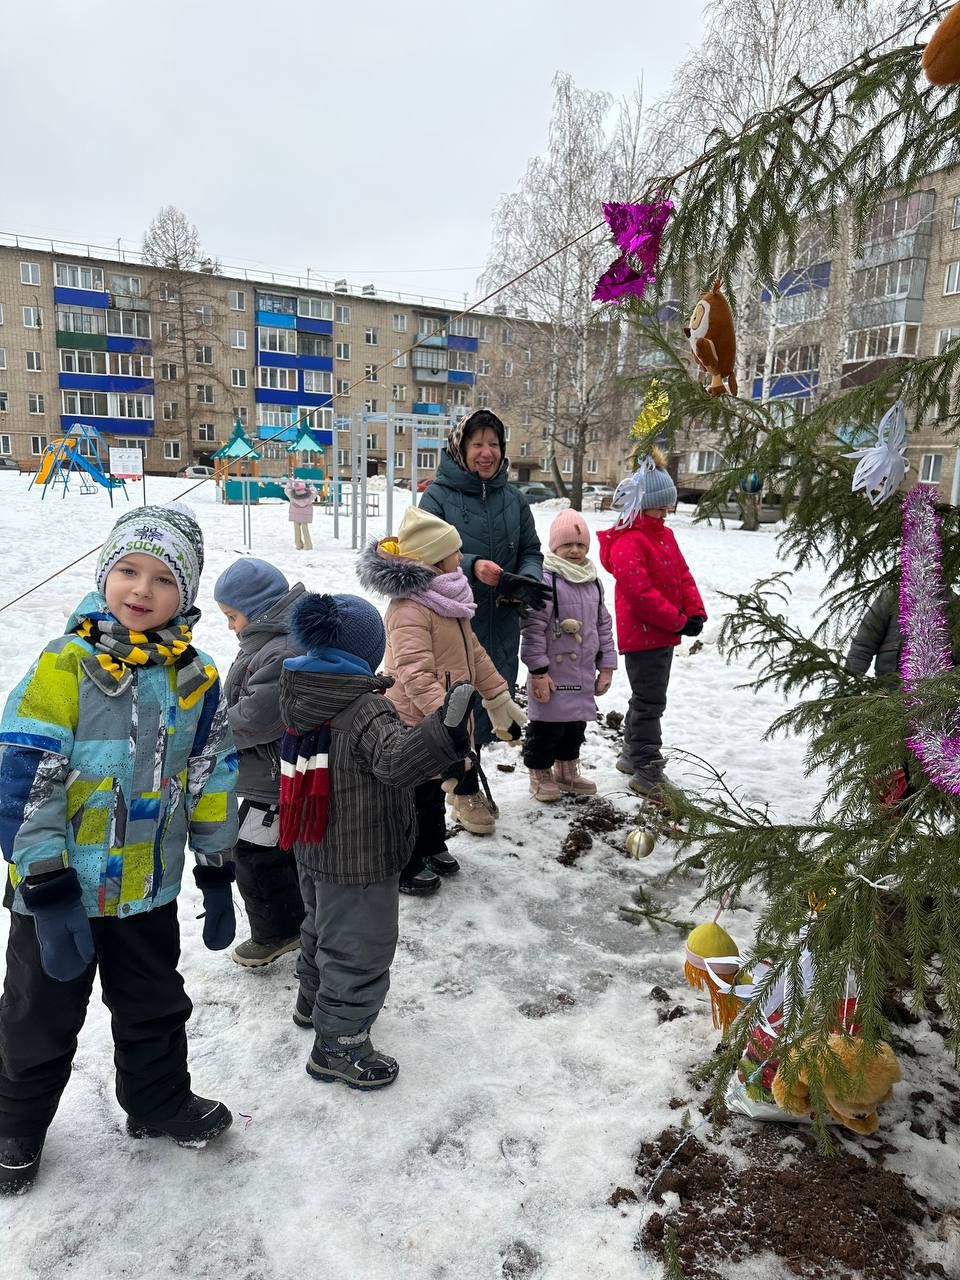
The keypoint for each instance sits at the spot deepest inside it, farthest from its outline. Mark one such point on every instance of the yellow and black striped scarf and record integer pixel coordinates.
(119, 650)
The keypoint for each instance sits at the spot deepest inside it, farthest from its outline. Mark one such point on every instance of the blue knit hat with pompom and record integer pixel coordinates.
(349, 623)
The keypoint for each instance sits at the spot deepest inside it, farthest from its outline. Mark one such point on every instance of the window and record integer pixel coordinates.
(34, 362)
(524, 449)
(37, 445)
(465, 361)
(312, 344)
(32, 317)
(1, 313)
(3, 402)
(434, 359)
(3, 357)
(946, 338)
(566, 466)
(205, 312)
(399, 392)
(592, 467)
(931, 465)
(796, 360)
(370, 336)
(81, 320)
(506, 434)
(169, 410)
(399, 358)
(884, 340)
(343, 350)
(527, 355)
(129, 324)
(237, 300)
(168, 372)
(483, 331)
(282, 340)
(889, 280)
(315, 308)
(465, 327)
(506, 337)
(427, 460)
(428, 325)
(205, 393)
(894, 217)
(370, 372)
(343, 458)
(483, 368)
(277, 379)
(35, 404)
(206, 432)
(370, 406)
(399, 457)
(951, 283)
(238, 377)
(955, 223)
(30, 273)
(168, 332)
(130, 406)
(238, 339)
(127, 365)
(69, 276)
(527, 386)
(343, 386)
(317, 382)
(461, 395)
(483, 399)
(429, 395)
(204, 355)
(166, 293)
(5, 444)
(508, 368)
(281, 304)
(171, 450)
(704, 462)
(240, 414)
(399, 322)
(342, 313)
(125, 286)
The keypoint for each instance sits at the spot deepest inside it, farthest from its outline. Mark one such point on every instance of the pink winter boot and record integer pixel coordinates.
(569, 778)
(543, 786)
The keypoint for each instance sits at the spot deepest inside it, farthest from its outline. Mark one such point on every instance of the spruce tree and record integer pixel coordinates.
(887, 882)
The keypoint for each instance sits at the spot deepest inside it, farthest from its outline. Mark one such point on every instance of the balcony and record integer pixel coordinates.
(428, 410)
(81, 341)
(431, 339)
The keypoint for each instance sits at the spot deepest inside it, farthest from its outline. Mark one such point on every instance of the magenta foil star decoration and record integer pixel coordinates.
(637, 231)
(926, 635)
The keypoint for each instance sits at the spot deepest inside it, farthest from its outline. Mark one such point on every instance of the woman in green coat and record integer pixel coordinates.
(500, 540)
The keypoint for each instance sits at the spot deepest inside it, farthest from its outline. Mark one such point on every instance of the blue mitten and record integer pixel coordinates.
(219, 920)
(63, 930)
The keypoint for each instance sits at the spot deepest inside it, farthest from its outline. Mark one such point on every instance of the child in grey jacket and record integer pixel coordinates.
(347, 807)
(256, 600)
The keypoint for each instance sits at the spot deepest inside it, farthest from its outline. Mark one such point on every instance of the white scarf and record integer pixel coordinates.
(569, 571)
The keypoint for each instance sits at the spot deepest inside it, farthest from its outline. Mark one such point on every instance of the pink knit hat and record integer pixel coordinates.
(569, 526)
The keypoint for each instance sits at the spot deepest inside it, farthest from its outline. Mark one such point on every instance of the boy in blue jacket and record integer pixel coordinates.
(114, 750)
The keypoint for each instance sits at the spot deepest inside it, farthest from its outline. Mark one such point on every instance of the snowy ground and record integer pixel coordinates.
(495, 1152)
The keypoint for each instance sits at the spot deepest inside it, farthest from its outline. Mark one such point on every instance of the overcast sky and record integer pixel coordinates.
(367, 140)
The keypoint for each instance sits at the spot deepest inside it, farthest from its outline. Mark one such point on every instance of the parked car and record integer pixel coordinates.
(196, 472)
(536, 492)
(9, 464)
(600, 490)
(401, 482)
(425, 484)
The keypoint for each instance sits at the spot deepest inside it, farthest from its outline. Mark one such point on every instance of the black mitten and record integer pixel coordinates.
(522, 592)
(693, 626)
(456, 712)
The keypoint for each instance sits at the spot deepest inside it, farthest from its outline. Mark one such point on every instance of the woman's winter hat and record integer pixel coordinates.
(569, 526)
(169, 533)
(461, 432)
(348, 623)
(423, 537)
(251, 587)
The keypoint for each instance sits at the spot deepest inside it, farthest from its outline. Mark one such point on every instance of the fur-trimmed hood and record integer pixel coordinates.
(392, 576)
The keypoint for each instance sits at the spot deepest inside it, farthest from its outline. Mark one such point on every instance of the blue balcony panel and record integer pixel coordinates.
(814, 277)
(81, 297)
(461, 376)
(112, 426)
(139, 346)
(429, 410)
(456, 343)
(276, 320)
(433, 340)
(265, 395)
(306, 324)
(277, 360)
(324, 363)
(106, 382)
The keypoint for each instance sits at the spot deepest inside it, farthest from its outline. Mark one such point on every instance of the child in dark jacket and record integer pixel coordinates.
(656, 603)
(568, 650)
(256, 600)
(347, 808)
(114, 752)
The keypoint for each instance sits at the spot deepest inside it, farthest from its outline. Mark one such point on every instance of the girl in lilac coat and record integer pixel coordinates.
(568, 650)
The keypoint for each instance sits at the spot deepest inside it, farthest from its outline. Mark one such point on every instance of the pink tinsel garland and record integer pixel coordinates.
(926, 635)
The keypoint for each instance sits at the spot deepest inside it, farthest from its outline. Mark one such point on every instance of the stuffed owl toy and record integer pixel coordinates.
(713, 341)
(941, 57)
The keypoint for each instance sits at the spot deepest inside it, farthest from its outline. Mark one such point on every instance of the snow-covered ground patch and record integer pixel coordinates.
(532, 1060)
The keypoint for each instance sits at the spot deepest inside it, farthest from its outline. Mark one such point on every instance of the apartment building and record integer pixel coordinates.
(167, 362)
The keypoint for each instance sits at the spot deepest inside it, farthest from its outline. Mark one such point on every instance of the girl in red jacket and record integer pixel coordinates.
(657, 602)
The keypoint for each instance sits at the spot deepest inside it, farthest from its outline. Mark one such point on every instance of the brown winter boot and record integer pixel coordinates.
(570, 779)
(473, 814)
(543, 787)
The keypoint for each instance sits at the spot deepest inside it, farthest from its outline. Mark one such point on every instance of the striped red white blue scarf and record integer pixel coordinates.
(304, 786)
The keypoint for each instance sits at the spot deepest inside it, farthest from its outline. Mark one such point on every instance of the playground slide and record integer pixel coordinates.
(96, 472)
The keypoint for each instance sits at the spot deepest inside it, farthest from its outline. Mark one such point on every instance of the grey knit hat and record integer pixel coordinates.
(169, 533)
(647, 489)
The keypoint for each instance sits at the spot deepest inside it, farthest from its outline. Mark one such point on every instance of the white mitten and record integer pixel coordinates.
(505, 716)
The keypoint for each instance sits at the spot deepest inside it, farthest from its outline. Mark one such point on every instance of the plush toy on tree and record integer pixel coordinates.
(855, 1081)
(713, 341)
(941, 57)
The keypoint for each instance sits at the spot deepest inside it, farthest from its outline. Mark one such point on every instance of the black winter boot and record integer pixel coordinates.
(19, 1163)
(303, 1011)
(421, 884)
(198, 1120)
(353, 1061)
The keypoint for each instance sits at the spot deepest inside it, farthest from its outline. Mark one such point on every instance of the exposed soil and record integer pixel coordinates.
(836, 1217)
(594, 817)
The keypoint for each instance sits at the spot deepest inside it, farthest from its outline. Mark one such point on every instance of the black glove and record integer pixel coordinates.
(219, 917)
(63, 930)
(693, 626)
(522, 592)
(455, 714)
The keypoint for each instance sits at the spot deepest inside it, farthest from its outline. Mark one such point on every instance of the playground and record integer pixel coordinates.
(82, 456)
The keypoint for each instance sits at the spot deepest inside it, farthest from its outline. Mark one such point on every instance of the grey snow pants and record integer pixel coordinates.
(648, 671)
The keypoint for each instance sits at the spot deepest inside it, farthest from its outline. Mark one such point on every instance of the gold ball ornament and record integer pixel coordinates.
(640, 843)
